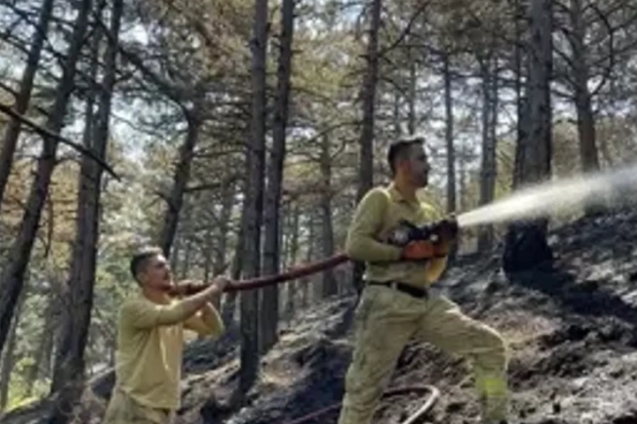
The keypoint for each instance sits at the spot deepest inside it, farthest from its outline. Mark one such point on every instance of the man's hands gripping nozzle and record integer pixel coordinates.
(430, 241)
(190, 287)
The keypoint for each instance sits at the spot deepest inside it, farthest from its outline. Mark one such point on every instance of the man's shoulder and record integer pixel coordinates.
(133, 305)
(431, 209)
(378, 193)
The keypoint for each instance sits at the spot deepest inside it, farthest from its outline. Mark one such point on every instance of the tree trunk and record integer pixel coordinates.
(12, 132)
(20, 252)
(451, 151)
(329, 286)
(370, 81)
(366, 140)
(489, 163)
(253, 206)
(230, 304)
(413, 81)
(208, 256)
(41, 366)
(521, 130)
(526, 245)
(585, 118)
(227, 204)
(9, 354)
(272, 248)
(294, 253)
(175, 200)
(305, 283)
(68, 375)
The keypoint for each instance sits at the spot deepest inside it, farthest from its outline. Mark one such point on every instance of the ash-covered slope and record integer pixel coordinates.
(571, 333)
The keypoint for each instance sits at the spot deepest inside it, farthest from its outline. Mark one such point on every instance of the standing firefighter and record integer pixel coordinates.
(398, 303)
(150, 340)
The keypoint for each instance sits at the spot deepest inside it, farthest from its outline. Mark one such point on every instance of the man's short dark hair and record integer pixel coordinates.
(139, 259)
(399, 150)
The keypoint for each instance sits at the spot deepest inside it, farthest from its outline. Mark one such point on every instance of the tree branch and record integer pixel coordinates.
(7, 110)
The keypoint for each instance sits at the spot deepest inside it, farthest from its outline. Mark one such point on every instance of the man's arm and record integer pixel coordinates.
(361, 243)
(146, 314)
(207, 322)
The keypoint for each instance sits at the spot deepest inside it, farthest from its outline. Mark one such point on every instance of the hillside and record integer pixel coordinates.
(571, 332)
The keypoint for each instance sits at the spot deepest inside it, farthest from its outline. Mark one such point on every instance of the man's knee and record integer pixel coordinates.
(494, 346)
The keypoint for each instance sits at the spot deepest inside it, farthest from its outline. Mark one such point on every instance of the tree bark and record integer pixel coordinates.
(305, 283)
(526, 245)
(290, 307)
(68, 375)
(10, 141)
(20, 252)
(451, 151)
(9, 353)
(175, 200)
(583, 104)
(489, 163)
(253, 206)
(272, 248)
(230, 304)
(366, 140)
(329, 286)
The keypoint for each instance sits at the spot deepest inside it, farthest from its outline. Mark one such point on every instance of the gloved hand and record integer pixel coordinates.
(418, 250)
(448, 229)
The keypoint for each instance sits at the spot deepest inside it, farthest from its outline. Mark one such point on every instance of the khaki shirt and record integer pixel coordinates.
(377, 216)
(150, 344)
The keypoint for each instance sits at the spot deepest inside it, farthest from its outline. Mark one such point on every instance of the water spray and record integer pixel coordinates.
(553, 197)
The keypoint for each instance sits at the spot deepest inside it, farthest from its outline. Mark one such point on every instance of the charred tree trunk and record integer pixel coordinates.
(175, 199)
(69, 369)
(370, 81)
(526, 245)
(253, 205)
(20, 251)
(272, 248)
(12, 132)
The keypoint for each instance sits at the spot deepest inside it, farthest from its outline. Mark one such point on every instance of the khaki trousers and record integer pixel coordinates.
(385, 321)
(123, 409)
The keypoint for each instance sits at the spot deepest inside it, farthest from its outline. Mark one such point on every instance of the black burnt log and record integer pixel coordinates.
(526, 248)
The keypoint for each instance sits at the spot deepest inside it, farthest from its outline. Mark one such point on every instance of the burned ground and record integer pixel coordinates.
(571, 333)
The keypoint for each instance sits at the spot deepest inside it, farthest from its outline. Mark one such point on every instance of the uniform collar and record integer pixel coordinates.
(397, 196)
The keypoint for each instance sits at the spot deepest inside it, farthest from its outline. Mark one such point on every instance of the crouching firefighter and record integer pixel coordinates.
(404, 244)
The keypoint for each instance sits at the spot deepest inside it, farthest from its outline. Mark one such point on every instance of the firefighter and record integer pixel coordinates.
(398, 301)
(150, 340)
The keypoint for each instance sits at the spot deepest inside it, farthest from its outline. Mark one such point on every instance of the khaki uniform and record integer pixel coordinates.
(387, 318)
(150, 344)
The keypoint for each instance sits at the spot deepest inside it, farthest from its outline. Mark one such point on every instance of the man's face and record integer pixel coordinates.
(157, 274)
(418, 166)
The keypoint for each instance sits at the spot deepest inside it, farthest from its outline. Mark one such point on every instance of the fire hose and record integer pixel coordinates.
(313, 268)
